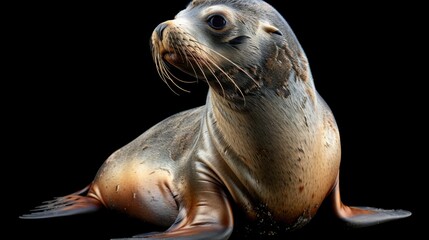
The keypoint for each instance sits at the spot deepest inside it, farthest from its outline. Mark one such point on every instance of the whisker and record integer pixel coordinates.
(184, 57)
(213, 72)
(237, 66)
(165, 76)
(160, 68)
(199, 60)
(207, 64)
(230, 78)
(230, 61)
(164, 71)
(172, 77)
(198, 65)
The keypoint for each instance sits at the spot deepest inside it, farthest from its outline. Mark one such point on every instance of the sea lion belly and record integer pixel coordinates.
(140, 179)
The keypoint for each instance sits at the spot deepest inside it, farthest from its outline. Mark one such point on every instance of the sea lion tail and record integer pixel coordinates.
(72, 204)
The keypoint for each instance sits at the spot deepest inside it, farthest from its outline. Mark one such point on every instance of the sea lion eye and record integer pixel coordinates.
(216, 22)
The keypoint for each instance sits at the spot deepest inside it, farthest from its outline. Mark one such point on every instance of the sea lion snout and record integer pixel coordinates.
(158, 40)
(160, 29)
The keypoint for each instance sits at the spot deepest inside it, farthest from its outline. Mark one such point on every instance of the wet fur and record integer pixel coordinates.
(265, 142)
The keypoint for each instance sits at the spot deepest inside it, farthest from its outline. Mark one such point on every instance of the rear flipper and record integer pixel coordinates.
(363, 216)
(76, 203)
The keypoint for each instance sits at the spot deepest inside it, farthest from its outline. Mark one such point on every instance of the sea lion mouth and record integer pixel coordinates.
(164, 50)
(172, 58)
(182, 63)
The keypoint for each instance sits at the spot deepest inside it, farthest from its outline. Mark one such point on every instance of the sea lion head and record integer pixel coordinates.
(236, 46)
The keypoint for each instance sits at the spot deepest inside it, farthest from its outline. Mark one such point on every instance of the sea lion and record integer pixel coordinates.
(264, 148)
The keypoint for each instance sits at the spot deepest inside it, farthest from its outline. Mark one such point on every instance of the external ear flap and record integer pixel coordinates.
(271, 29)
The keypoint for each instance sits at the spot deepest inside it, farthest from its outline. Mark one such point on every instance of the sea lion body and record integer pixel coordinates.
(303, 180)
(265, 142)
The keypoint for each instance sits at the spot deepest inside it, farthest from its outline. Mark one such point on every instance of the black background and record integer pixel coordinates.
(79, 83)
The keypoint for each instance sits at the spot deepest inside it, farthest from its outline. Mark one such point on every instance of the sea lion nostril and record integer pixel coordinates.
(160, 29)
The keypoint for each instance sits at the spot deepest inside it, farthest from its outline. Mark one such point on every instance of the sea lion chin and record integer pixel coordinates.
(264, 148)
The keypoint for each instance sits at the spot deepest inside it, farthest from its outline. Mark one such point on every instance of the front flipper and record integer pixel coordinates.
(206, 231)
(204, 213)
(363, 216)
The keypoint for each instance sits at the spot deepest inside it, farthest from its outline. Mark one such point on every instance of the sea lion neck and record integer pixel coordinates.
(262, 120)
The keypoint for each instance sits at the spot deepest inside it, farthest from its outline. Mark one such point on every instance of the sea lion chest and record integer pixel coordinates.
(283, 155)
